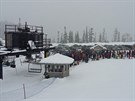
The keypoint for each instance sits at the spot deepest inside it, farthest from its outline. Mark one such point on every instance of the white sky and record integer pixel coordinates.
(53, 15)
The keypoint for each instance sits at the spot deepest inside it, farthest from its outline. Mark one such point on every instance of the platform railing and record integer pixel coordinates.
(15, 28)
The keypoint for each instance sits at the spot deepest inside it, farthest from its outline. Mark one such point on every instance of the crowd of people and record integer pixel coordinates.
(85, 56)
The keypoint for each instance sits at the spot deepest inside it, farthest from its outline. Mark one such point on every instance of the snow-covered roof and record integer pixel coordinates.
(97, 46)
(57, 59)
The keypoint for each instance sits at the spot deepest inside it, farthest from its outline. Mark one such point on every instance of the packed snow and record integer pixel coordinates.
(103, 80)
(57, 59)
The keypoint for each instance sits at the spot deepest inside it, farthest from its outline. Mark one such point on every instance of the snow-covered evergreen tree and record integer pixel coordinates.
(91, 35)
(77, 39)
(100, 37)
(65, 36)
(84, 37)
(58, 37)
(116, 36)
(127, 38)
(61, 39)
(71, 40)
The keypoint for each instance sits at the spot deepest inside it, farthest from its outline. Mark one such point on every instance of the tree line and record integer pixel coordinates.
(89, 36)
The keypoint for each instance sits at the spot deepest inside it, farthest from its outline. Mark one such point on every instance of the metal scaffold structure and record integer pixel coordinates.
(23, 40)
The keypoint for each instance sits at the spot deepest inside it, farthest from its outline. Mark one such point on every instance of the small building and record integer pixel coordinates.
(98, 48)
(57, 65)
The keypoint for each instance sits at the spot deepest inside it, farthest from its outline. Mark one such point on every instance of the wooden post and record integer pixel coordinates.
(24, 91)
(1, 68)
(45, 68)
(44, 54)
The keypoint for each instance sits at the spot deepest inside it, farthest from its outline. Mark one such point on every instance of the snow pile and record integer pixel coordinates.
(57, 59)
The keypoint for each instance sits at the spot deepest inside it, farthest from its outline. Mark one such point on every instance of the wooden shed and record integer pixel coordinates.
(57, 65)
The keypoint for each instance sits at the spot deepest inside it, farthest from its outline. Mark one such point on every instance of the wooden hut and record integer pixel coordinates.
(57, 65)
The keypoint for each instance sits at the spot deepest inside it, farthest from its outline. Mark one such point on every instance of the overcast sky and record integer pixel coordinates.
(53, 15)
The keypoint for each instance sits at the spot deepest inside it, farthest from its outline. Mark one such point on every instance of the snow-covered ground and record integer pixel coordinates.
(99, 43)
(103, 80)
(11, 87)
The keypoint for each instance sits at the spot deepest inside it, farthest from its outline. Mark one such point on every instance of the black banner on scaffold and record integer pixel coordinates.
(1, 69)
